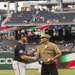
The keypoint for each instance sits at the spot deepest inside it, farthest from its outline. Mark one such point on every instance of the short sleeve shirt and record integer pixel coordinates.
(18, 51)
(50, 51)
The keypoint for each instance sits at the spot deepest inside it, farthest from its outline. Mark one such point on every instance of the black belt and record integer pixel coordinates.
(48, 63)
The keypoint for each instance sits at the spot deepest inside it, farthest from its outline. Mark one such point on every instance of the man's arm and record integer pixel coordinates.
(57, 52)
(25, 57)
(55, 57)
(31, 52)
(58, 55)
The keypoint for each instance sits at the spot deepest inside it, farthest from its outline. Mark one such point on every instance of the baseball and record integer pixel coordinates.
(48, 59)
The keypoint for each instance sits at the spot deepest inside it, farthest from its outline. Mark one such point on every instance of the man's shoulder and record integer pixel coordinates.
(19, 44)
(40, 45)
(51, 43)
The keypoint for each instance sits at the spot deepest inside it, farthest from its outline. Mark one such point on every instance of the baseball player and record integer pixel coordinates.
(48, 52)
(21, 56)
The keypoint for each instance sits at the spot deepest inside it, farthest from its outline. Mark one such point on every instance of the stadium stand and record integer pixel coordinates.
(42, 17)
(20, 17)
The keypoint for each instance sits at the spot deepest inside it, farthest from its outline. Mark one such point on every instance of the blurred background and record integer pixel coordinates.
(54, 17)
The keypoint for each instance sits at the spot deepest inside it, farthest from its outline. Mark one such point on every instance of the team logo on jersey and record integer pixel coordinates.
(21, 51)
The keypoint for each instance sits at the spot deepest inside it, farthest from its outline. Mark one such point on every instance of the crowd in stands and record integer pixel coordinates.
(9, 45)
(40, 16)
(6, 45)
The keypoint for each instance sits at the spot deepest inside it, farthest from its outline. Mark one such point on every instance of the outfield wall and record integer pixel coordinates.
(67, 60)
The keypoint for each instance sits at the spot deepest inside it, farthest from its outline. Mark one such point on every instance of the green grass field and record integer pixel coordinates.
(35, 72)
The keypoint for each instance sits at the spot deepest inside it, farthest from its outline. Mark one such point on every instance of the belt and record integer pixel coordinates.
(47, 63)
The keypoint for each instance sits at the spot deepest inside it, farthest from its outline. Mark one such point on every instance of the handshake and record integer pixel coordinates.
(36, 55)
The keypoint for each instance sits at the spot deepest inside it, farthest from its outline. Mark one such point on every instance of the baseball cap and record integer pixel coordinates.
(22, 35)
(43, 35)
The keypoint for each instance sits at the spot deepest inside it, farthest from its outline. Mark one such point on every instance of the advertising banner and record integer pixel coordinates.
(67, 60)
(6, 59)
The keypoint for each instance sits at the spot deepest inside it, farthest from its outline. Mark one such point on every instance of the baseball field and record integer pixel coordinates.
(35, 72)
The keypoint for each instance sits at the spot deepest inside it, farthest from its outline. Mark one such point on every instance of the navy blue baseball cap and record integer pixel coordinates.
(22, 35)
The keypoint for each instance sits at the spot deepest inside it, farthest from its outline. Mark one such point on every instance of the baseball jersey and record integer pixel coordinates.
(50, 51)
(18, 51)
